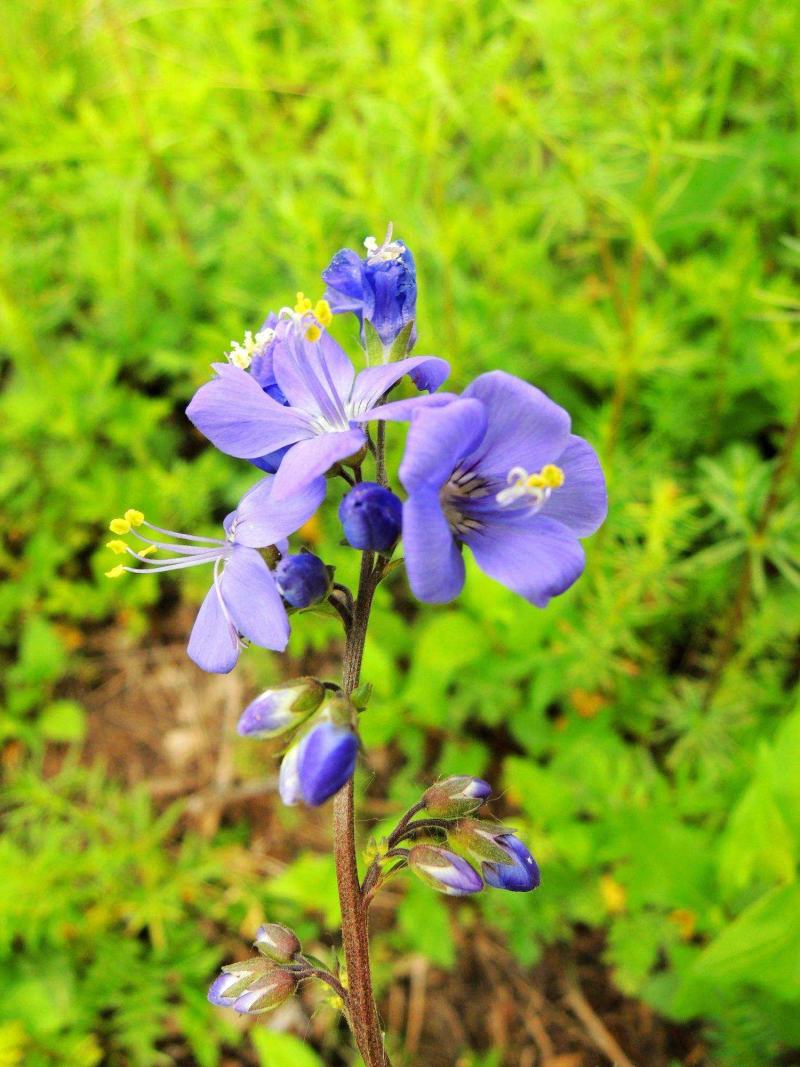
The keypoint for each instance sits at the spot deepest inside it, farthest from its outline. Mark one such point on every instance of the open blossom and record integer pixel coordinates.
(499, 471)
(318, 423)
(243, 598)
(381, 288)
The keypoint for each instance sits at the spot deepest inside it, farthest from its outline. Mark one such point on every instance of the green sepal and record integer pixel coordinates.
(372, 344)
(361, 696)
(401, 343)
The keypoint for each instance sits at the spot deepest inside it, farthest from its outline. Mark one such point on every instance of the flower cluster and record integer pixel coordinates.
(494, 469)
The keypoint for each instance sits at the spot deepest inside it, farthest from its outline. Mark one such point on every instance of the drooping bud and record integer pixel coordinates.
(289, 778)
(453, 797)
(326, 760)
(266, 993)
(280, 708)
(444, 870)
(483, 841)
(519, 874)
(277, 943)
(302, 580)
(371, 517)
(236, 978)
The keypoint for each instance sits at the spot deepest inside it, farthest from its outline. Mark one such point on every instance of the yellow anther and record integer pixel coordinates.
(147, 551)
(323, 313)
(115, 572)
(535, 481)
(134, 517)
(117, 547)
(313, 333)
(120, 526)
(553, 476)
(303, 304)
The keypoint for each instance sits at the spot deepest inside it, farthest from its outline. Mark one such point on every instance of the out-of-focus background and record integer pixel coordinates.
(602, 196)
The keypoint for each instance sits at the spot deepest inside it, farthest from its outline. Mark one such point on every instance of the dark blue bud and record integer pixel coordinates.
(371, 517)
(302, 580)
(318, 765)
(520, 874)
(280, 708)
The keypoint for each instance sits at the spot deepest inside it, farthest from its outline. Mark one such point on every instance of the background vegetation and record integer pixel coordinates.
(602, 197)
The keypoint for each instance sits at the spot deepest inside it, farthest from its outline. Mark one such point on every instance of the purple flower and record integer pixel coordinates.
(243, 598)
(320, 425)
(444, 870)
(317, 767)
(520, 874)
(381, 288)
(252, 987)
(499, 471)
(371, 517)
(302, 580)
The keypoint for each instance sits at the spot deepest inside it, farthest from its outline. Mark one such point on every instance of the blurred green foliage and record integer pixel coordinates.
(601, 196)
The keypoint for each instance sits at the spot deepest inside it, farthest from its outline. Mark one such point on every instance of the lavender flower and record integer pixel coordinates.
(381, 288)
(252, 987)
(319, 426)
(243, 598)
(444, 870)
(371, 517)
(520, 874)
(499, 471)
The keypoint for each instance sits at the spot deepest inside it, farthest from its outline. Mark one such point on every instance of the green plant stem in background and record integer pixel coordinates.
(355, 935)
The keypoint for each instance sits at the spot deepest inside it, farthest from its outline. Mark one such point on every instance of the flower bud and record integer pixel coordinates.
(444, 870)
(483, 841)
(236, 978)
(319, 765)
(519, 874)
(280, 708)
(371, 517)
(277, 942)
(302, 580)
(266, 993)
(453, 797)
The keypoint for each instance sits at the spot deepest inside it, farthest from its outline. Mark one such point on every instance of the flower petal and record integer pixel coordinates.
(214, 642)
(261, 521)
(582, 501)
(315, 376)
(439, 438)
(344, 277)
(253, 602)
(526, 428)
(374, 382)
(534, 556)
(433, 561)
(238, 417)
(309, 459)
(402, 410)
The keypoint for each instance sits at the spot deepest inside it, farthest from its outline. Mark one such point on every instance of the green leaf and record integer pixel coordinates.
(63, 720)
(283, 1050)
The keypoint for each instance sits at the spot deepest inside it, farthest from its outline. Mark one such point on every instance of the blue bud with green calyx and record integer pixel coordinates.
(519, 873)
(482, 840)
(302, 580)
(281, 708)
(324, 759)
(371, 517)
(278, 943)
(456, 796)
(444, 871)
(252, 987)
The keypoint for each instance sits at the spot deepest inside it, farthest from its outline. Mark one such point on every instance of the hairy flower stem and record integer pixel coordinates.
(355, 936)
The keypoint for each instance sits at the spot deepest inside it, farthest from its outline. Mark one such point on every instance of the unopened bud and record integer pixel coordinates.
(280, 708)
(319, 765)
(482, 840)
(444, 870)
(277, 943)
(266, 993)
(302, 580)
(453, 797)
(371, 517)
(519, 873)
(236, 978)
